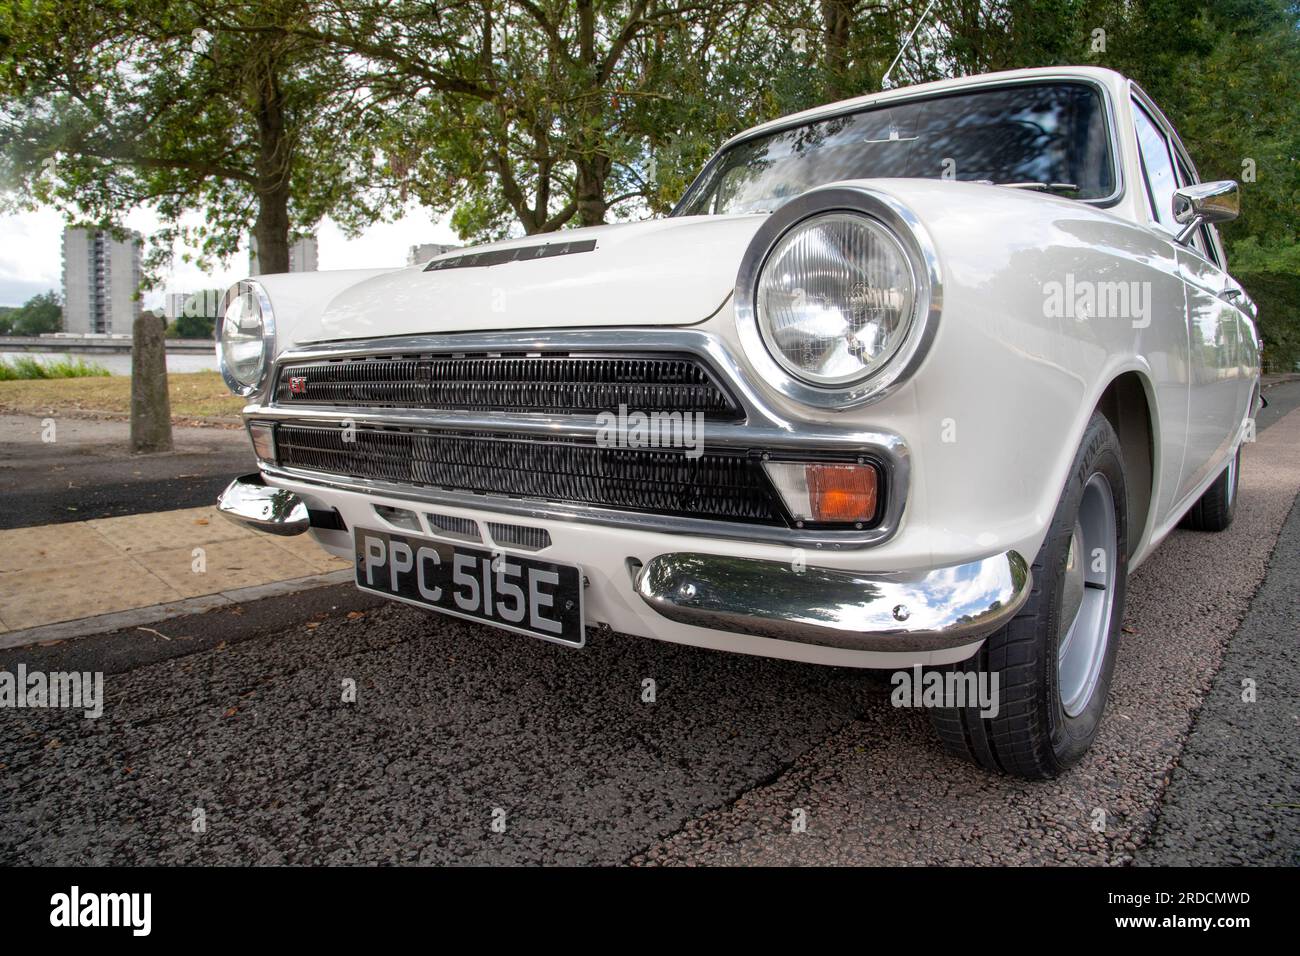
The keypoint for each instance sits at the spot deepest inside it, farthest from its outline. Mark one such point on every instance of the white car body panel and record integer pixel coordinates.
(991, 420)
(664, 272)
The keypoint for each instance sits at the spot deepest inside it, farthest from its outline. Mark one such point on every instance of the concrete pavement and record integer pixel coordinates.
(79, 570)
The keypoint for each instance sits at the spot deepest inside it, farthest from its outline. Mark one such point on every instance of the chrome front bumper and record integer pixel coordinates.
(927, 611)
(921, 612)
(250, 501)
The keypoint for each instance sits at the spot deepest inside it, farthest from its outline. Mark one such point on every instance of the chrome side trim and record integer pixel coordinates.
(251, 502)
(922, 256)
(925, 611)
(763, 428)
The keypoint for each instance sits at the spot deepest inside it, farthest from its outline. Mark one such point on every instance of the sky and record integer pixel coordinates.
(31, 253)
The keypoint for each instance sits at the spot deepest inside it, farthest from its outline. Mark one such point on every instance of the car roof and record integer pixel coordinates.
(1104, 77)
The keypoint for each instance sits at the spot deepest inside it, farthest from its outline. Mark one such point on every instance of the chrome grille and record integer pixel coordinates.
(519, 536)
(728, 486)
(555, 383)
(452, 526)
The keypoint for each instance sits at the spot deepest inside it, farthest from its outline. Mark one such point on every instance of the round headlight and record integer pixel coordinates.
(835, 299)
(245, 337)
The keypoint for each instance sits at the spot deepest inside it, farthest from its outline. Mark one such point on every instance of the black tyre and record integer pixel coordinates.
(1215, 509)
(1054, 659)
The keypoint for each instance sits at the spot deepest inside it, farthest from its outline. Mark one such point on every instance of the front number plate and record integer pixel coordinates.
(538, 598)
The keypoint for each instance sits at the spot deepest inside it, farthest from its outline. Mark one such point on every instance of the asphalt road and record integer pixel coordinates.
(240, 714)
(89, 472)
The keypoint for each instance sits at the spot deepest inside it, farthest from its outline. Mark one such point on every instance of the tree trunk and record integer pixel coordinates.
(837, 17)
(271, 228)
(592, 173)
(592, 167)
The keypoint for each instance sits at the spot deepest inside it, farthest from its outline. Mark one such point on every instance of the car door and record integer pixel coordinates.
(1213, 332)
(1221, 332)
(1165, 342)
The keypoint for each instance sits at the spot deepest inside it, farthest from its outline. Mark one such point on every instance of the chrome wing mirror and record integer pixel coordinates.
(1205, 202)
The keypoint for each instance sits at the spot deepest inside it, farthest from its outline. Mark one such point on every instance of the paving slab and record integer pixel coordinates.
(73, 571)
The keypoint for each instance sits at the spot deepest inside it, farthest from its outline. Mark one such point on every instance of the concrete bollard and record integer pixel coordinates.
(151, 410)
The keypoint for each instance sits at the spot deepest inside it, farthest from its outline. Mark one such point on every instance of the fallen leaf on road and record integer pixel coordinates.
(312, 625)
(200, 520)
(232, 711)
(353, 615)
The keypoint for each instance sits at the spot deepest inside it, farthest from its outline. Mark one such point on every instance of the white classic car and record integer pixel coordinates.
(909, 381)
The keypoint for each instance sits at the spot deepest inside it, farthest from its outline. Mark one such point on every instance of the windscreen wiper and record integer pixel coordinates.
(1044, 187)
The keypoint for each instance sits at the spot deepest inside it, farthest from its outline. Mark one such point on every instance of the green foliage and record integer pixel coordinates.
(1270, 273)
(534, 115)
(28, 367)
(38, 315)
(189, 326)
(1277, 297)
(217, 106)
(1249, 255)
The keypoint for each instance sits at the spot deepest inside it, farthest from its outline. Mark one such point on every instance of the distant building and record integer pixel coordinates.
(101, 276)
(426, 251)
(302, 256)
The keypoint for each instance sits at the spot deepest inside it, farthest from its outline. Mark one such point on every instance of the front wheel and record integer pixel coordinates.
(1053, 661)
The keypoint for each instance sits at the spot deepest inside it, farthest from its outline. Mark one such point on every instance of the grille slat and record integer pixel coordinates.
(536, 383)
(729, 487)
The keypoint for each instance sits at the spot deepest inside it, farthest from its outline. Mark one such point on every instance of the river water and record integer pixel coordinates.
(119, 363)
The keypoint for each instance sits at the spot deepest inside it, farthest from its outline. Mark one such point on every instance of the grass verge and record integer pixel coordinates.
(27, 367)
(193, 395)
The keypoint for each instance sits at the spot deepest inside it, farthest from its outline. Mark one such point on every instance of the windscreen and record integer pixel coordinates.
(1053, 134)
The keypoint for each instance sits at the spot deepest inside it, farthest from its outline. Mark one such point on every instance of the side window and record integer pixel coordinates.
(1158, 167)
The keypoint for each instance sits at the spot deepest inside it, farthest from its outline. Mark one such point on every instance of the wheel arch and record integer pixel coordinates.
(1128, 403)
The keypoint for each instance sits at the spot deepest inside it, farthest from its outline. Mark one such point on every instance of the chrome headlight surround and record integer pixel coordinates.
(902, 226)
(255, 293)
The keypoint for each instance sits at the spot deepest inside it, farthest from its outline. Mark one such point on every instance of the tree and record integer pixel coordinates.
(38, 315)
(216, 106)
(529, 114)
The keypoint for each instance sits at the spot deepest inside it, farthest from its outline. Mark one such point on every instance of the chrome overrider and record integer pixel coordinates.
(250, 501)
(926, 611)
